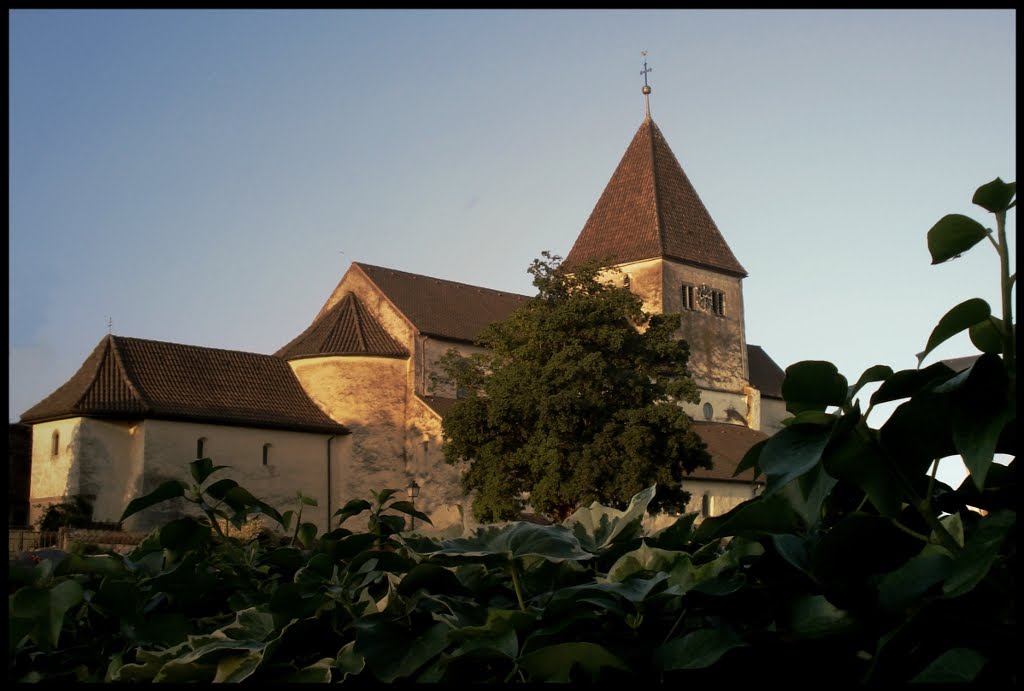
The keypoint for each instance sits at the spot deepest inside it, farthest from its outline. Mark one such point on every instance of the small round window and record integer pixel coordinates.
(709, 412)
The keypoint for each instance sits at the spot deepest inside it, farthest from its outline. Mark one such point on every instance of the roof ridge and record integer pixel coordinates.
(191, 345)
(364, 266)
(112, 356)
(357, 310)
(658, 220)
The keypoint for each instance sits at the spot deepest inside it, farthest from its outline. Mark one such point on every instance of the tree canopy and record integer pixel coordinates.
(575, 401)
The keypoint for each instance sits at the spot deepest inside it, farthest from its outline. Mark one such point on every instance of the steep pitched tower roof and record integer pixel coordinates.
(649, 210)
(348, 328)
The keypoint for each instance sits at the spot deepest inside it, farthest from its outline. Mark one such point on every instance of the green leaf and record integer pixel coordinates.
(392, 651)
(645, 559)
(871, 374)
(235, 668)
(409, 509)
(203, 468)
(353, 508)
(995, 196)
(854, 456)
(759, 516)
(906, 383)
(793, 549)
(980, 552)
(46, 607)
(556, 662)
(240, 499)
(987, 335)
(170, 489)
(963, 316)
(696, 650)
(183, 534)
(307, 534)
(911, 581)
(751, 459)
(813, 385)
(793, 451)
(957, 665)
(317, 673)
(600, 527)
(980, 413)
(220, 488)
(953, 235)
(349, 662)
(252, 623)
(813, 616)
(510, 541)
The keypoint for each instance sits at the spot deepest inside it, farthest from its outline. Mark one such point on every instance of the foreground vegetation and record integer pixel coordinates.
(854, 565)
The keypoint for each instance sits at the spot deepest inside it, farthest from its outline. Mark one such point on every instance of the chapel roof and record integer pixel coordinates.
(445, 309)
(649, 210)
(727, 445)
(347, 328)
(133, 378)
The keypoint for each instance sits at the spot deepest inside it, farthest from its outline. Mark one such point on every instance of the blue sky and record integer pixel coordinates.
(206, 177)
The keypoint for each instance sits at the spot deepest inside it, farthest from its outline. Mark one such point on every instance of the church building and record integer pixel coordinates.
(349, 405)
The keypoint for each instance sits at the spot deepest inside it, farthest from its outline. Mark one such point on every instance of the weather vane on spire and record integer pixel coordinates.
(110, 325)
(647, 88)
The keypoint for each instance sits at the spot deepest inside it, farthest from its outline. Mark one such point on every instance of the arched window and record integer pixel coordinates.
(266, 453)
(200, 443)
(55, 443)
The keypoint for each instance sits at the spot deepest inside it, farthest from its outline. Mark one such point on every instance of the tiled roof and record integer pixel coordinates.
(347, 328)
(649, 209)
(727, 445)
(135, 378)
(765, 375)
(438, 404)
(445, 309)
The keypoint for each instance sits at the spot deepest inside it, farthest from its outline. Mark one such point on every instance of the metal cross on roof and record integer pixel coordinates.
(647, 88)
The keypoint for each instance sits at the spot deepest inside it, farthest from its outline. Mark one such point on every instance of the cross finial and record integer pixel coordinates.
(647, 89)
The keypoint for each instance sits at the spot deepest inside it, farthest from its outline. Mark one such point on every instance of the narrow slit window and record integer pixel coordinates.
(719, 303)
(266, 454)
(200, 446)
(688, 302)
(55, 443)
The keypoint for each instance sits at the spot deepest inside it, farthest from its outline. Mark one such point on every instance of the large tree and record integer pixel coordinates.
(575, 400)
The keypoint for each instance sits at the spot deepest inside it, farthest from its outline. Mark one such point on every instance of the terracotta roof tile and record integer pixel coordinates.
(765, 375)
(649, 209)
(133, 378)
(348, 328)
(727, 445)
(445, 309)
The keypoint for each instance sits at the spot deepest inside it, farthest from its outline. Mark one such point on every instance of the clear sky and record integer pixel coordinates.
(207, 176)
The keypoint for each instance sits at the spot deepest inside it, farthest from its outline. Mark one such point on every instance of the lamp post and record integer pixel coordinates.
(413, 490)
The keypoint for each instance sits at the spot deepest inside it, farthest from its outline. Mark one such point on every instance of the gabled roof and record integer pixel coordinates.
(765, 375)
(445, 309)
(347, 328)
(134, 378)
(649, 210)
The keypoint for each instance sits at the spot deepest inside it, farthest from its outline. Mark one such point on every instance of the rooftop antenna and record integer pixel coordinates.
(647, 88)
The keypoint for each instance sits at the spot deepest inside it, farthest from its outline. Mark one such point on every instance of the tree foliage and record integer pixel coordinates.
(575, 401)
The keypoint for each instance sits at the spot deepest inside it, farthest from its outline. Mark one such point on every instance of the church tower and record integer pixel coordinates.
(650, 224)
